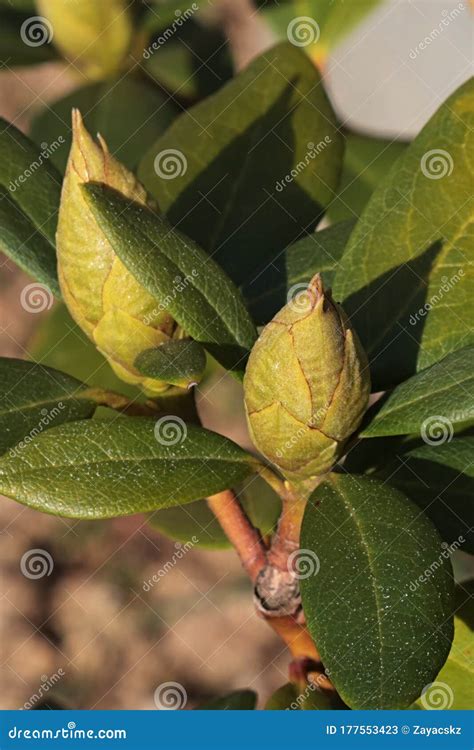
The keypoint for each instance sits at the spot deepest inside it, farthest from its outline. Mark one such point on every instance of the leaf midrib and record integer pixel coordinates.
(56, 400)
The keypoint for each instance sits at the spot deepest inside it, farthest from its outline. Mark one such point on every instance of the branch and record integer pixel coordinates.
(238, 528)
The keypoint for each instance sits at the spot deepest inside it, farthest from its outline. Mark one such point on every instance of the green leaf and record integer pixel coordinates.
(129, 113)
(260, 502)
(239, 700)
(440, 479)
(429, 402)
(452, 688)
(192, 64)
(317, 25)
(293, 269)
(405, 278)
(231, 188)
(192, 287)
(25, 40)
(366, 162)
(29, 199)
(33, 399)
(283, 699)
(102, 469)
(382, 635)
(178, 361)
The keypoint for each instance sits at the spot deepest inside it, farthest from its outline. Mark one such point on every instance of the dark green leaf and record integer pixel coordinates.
(231, 187)
(25, 38)
(192, 64)
(192, 287)
(33, 399)
(429, 402)
(184, 522)
(29, 199)
(405, 278)
(240, 700)
(129, 113)
(179, 361)
(366, 163)
(294, 268)
(440, 479)
(101, 469)
(381, 633)
(289, 698)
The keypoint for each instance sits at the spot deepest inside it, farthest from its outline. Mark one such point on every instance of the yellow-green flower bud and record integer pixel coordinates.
(306, 385)
(94, 35)
(106, 301)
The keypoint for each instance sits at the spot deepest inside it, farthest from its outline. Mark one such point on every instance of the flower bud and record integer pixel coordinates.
(105, 300)
(306, 385)
(94, 35)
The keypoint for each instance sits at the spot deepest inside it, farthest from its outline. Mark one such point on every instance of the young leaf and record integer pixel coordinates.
(95, 37)
(405, 277)
(381, 633)
(254, 165)
(102, 469)
(196, 521)
(294, 268)
(129, 113)
(366, 162)
(240, 700)
(34, 398)
(178, 361)
(429, 402)
(29, 199)
(207, 306)
(439, 478)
